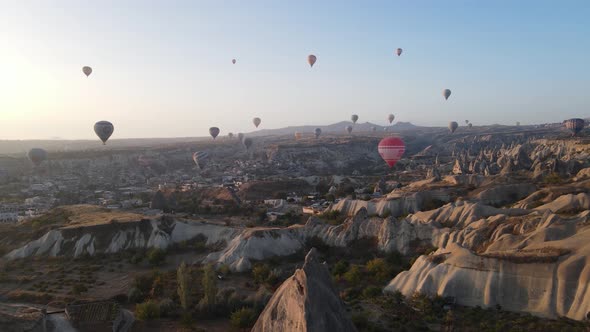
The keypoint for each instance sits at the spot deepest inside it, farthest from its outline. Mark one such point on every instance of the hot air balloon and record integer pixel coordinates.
(248, 142)
(466, 121)
(298, 135)
(453, 126)
(391, 149)
(354, 118)
(517, 123)
(390, 117)
(214, 131)
(317, 132)
(37, 156)
(87, 70)
(233, 61)
(446, 93)
(230, 135)
(311, 59)
(470, 125)
(201, 158)
(348, 129)
(241, 137)
(104, 130)
(574, 125)
(256, 122)
(399, 51)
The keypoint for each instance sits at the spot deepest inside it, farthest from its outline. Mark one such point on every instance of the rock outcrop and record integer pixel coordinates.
(18, 318)
(539, 263)
(306, 302)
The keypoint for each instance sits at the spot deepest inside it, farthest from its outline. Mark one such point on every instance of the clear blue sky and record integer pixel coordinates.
(163, 68)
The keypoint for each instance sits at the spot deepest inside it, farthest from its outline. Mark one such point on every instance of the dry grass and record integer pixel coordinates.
(89, 215)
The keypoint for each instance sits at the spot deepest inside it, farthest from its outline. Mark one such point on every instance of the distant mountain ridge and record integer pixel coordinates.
(335, 128)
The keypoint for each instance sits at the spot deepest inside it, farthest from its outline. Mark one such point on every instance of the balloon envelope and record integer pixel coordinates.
(87, 70)
(390, 117)
(37, 156)
(399, 51)
(317, 132)
(103, 130)
(311, 59)
(348, 129)
(214, 132)
(230, 135)
(256, 122)
(574, 125)
(453, 126)
(391, 149)
(354, 118)
(446, 93)
(201, 158)
(233, 61)
(470, 125)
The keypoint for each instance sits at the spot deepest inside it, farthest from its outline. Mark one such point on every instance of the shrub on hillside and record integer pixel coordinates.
(243, 318)
(260, 273)
(353, 276)
(340, 268)
(147, 310)
(371, 292)
(167, 307)
(156, 256)
(78, 289)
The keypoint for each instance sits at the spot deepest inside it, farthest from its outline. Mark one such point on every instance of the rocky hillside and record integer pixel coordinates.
(307, 301)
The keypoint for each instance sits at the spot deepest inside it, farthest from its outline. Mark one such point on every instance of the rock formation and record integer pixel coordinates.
(306, 302)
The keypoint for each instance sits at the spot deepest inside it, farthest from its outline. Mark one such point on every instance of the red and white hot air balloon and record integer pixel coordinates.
(391, 150)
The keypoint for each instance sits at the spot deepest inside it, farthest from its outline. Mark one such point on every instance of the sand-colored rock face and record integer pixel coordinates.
(539, 264)
(395, 204)
(305, 302)
(112, 238)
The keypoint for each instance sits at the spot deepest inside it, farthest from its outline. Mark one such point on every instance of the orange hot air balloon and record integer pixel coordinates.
(391, 149)
(311, 59)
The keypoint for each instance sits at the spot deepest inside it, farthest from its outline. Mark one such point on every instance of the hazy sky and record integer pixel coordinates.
(163, 68)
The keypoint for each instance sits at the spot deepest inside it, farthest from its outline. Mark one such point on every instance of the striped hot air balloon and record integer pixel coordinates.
(391, 149)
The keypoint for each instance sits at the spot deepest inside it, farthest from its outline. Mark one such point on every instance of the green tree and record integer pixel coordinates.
(261, 272)
(353, 276)
(379, 269)
(147, 310)
(183, 278)
(209, 286)
(156, 256)
(340, 268)
(243, 318)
